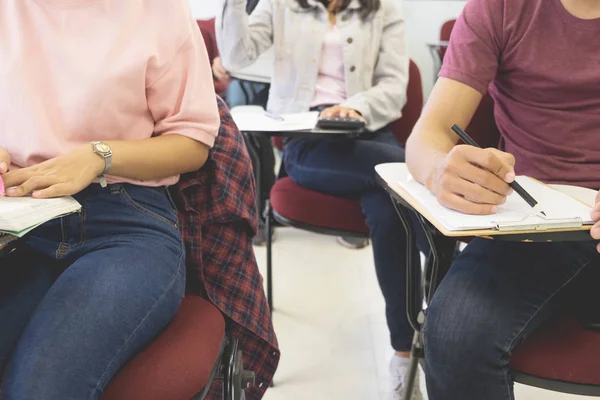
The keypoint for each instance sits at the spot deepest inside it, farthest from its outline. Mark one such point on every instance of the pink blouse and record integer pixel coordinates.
(75, 71)
(331, 83)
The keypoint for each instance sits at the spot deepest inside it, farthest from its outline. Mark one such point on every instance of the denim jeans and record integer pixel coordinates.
(88, 292)
(241, 93)
(494, 295)
(346, 168)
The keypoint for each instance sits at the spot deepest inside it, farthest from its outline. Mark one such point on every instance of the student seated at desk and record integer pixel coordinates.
(542, 60)
(348, 59)
(96, 92)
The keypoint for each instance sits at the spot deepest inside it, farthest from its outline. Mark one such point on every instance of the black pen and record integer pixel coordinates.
(514, 184)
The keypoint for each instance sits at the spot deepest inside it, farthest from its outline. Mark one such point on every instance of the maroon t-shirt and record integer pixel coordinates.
(543, 64)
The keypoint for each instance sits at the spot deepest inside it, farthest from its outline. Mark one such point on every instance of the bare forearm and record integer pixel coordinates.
(425, 148)
(158, 157)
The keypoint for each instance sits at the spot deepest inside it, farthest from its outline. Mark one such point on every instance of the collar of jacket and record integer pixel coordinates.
(293, 4)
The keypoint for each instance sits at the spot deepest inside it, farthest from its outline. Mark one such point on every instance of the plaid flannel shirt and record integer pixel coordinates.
(218, 218)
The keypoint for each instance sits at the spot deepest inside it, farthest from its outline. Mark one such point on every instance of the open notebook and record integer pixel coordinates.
(20, 215)
(562, 210)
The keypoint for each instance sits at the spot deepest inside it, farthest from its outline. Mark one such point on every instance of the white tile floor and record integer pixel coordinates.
(330, 323)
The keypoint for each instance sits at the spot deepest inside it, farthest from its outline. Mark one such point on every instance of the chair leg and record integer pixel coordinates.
(413, 369)
(235, 378)
(269, 232)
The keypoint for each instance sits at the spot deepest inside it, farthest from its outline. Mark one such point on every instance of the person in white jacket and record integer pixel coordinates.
(345, 58)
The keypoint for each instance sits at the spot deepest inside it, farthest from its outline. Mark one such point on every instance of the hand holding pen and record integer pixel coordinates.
(473, 180)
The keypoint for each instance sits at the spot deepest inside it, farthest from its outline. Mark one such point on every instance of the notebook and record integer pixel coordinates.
(562, 210)
(255, 119)
(20, 215)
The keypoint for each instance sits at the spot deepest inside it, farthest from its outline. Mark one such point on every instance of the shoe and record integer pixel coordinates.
(352, 242)
(261, 238)
(399, 372)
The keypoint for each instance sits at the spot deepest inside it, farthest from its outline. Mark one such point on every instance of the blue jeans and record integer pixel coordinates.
(88, 292)
(240, 93)
(346, 168)
(494, 295)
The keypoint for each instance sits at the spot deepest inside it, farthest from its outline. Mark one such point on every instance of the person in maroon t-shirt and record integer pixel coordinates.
(540, 61)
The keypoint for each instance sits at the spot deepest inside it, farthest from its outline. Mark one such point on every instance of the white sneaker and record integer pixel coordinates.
(399, 372)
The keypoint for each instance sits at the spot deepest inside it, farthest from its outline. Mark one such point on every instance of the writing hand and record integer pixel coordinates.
(473, 180)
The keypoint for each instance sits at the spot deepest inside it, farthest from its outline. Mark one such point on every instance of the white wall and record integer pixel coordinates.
(424, 19)
(205, 9)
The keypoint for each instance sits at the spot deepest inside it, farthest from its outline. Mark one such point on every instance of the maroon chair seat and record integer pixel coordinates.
(179, 363)
(560, 351)
(301, 206)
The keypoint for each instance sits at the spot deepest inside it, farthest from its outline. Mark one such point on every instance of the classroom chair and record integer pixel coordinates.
(295, 206)
(207, 28)
(195, 349)
(438, 50)
(183, 361)
(561, 356)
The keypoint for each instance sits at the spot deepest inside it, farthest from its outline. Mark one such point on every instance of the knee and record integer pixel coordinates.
(460, 338)
(380, 211)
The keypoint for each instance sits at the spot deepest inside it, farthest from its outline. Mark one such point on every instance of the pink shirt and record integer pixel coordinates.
(331, 83)
(75, 71)
(544, 67)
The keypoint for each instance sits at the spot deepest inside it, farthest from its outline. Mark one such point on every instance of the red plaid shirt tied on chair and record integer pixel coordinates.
(218, 218)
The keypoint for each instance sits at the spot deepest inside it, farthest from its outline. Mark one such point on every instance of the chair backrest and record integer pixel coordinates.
(207, 28)
(483, 125)
(412, 109)
(445, 33)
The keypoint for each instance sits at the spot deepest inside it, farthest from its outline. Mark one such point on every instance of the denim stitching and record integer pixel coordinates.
(510, 345)
(120, 350)
(143, 210)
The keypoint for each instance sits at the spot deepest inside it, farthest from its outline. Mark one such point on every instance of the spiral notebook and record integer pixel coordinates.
(563, 211)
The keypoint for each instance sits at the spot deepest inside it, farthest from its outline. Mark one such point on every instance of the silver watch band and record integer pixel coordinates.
(104, 151)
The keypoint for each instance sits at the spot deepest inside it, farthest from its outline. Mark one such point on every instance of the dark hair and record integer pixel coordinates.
(367, 7)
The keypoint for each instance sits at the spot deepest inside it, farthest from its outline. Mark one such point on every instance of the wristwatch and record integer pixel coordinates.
(104, 151)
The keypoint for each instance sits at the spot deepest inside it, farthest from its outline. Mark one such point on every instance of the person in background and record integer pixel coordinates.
(496, 293)
(239, 93)
(108, 101)
(351, 62)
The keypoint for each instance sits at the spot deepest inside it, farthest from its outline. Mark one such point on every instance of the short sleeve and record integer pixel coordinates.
(182, 99)
(476, 43)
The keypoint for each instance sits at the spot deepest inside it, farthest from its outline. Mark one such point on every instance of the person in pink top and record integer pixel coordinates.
(108, 101)
(539, 61)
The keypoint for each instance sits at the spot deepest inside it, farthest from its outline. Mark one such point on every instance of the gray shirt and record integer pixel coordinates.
(375, 55)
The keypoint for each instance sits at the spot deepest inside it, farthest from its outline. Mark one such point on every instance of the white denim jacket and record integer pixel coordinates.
(375, 55)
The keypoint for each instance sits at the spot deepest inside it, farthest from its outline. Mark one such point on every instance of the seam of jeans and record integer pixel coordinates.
(145, 211)
(132, 334)
(510, 345)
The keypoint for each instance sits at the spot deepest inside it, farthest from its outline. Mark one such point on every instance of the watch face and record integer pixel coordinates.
(103, 147)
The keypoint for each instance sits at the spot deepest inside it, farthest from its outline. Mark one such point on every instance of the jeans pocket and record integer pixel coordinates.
(152, 202)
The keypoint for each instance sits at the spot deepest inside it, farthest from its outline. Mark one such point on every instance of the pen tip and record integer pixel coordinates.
(543, 213)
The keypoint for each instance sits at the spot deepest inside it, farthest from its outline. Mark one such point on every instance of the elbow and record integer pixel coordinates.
(197, 157)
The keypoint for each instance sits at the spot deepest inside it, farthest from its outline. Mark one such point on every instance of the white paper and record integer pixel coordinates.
(556, 204)
(20, 213)
(254, 119)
